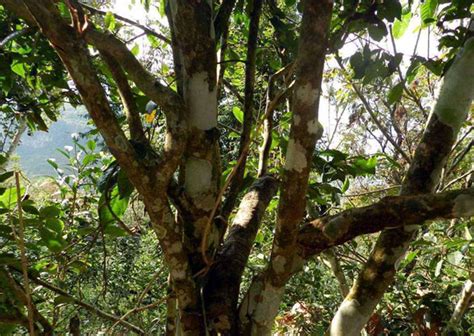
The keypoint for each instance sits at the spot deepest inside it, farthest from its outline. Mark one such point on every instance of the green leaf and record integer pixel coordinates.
(125, 187)
(53, 163)
(29, 207)
(115, 231)
(117, 204)
(400, 26)
(8, 198)
(91, 144)
(55, 225)
(377, 31)
(51, 240)
(49, 212)
(238, 114)
(345, 185)
(390, 10)
(19, 69)
(428, 10)
(395, 93)
(109, 21)
(290, 3)
(358, 64)
(5, 176)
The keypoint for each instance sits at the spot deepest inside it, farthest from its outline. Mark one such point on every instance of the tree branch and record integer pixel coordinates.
(389, 212)
(85, 305)
(222, 289)
(221, 22)
(146, 29)
(133, 117)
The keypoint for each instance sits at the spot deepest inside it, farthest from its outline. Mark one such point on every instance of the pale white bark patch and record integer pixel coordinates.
(202, 102)
(348, 320)
(121, 142)
(296, 120)
(279, 264)
(315, 127)
(457, 90)
(267, 309)
(198, 176)
(463, 206)
(295, 156)
(307, 95)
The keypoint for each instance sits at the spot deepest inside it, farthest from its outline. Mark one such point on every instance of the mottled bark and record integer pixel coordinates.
(222, 288)
(260, 305)
(452, 106)
(149, 177)
(390, 212)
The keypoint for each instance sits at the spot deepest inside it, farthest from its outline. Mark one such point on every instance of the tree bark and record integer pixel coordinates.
(260, 305)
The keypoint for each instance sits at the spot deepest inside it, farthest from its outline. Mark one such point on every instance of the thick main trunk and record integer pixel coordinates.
(452, 106)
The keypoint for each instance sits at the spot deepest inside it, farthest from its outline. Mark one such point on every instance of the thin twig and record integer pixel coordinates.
(20, 238)
(146, 29)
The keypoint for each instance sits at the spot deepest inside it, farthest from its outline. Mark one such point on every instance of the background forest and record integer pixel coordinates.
(79, 252)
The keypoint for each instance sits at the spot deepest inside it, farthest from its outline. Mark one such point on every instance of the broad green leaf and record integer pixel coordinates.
(109, 21)
(8, 198)
(55, 225)
(238, 114)
(395, 93)
(91, 144)
(49, 212)
(5, 176)
(428, 10)
(117, 205)
(400, 26)
(19, 69)
(389, 10)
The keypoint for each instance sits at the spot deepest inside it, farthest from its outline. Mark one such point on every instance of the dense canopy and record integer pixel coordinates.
(252, 167)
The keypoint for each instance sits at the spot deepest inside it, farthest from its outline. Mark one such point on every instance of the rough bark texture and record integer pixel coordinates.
(222, 289)
(261, 303)
(452, 106)
(390, 212)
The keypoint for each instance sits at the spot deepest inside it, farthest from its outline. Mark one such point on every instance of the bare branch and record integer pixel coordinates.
(146, 29)
(128, 101)
(390, 212)
(85, 305)
(222, 288)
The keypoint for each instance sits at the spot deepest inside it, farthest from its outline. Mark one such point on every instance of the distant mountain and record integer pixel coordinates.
(37, 148)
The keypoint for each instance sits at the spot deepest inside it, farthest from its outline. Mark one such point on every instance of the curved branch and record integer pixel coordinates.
(133, 117)
(389, 212)
(146, 29)
(222, 289)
